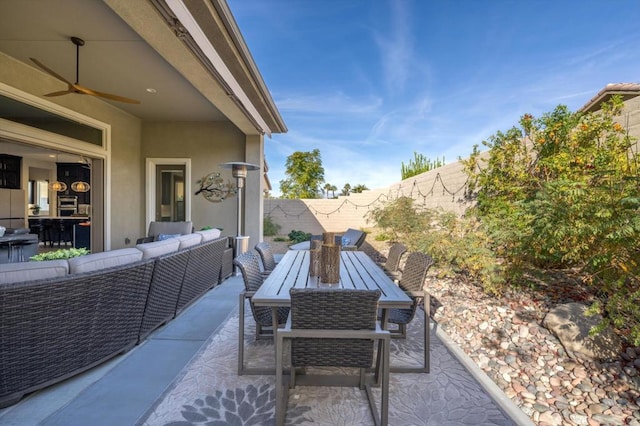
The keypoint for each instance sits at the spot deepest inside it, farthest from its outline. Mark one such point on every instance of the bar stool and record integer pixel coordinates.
(61, 232)
(37, 226)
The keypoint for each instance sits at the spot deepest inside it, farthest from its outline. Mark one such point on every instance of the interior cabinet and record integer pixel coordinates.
(10, 171)
(74, 172)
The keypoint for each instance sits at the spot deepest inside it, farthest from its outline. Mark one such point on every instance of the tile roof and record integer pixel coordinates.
(626, 90)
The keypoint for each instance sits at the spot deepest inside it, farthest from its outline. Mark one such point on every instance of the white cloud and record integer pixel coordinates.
(328, 103)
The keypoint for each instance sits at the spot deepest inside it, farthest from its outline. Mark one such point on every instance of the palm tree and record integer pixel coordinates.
(333, 190)
(358, 189)
(326, 188)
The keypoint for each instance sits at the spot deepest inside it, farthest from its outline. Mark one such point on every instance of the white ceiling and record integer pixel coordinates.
(114, 58)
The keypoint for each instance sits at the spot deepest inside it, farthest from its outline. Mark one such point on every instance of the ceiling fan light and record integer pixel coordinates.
(58, 186)
(80, 186)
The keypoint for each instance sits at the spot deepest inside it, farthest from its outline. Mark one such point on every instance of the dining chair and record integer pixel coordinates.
(249, 266)
(333, 328)
(412, 282)
(392, 265)
(266, 256)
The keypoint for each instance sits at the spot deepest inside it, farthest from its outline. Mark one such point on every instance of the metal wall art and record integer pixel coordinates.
(214, 189)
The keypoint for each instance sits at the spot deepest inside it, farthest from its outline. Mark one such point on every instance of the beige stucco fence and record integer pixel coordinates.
(442, 188)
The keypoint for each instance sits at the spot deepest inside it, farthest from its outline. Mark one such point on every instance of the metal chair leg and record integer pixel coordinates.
(426, 358)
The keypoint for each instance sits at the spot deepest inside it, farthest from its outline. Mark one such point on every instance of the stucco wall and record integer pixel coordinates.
(630, 119)
(207, 144)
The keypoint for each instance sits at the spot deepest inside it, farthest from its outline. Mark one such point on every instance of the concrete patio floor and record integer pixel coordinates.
(122, 390)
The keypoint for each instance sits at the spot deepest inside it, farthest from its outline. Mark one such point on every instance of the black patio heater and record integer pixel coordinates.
(239, 171)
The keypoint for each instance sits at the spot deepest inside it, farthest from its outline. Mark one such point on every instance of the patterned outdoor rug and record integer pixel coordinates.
(209, 390)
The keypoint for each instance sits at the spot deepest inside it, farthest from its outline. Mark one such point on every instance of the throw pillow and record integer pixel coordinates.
(162, 237)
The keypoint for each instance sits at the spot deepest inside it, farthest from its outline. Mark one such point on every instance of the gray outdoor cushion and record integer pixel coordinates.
(158, 248)
(18, 272)
(189, 240)
(209, 234)
(107, 259)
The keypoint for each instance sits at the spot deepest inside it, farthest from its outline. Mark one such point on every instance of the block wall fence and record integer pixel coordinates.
(442, 188)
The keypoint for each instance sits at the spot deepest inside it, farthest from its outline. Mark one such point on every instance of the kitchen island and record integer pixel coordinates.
(62, 230)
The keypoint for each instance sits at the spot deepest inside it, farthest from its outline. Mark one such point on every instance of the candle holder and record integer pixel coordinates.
(314, 258)
(330, 264)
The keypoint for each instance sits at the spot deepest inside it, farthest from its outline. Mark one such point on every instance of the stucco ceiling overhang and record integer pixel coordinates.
(131, 46)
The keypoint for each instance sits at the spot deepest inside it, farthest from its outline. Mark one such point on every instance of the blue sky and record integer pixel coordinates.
(368, 82)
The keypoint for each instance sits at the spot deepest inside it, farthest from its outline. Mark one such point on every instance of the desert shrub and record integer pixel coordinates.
(383, 236)
(562, 191)
(462, 246)
(458, 245)
(269, 227)
(298, 236)
(400, 218)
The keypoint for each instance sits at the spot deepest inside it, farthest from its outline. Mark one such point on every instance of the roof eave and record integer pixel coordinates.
(625, 90)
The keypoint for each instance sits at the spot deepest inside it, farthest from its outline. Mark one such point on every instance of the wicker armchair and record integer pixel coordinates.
(412, 282)
(250, 269)
(333, 328)
(392, 265)
(266, 256)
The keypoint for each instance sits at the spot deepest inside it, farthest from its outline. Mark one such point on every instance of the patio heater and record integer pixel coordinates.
(239, 171)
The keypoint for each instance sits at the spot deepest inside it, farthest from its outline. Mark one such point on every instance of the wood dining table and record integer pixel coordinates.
(357, 271)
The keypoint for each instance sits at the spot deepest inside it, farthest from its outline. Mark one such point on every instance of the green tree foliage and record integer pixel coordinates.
(298, 236)
(359, 189)
(346, 189)
(305, 175)
(419, 164)
(269, 227)
(562, 191)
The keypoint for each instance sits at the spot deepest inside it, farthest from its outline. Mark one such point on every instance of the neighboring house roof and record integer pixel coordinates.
(625, 90)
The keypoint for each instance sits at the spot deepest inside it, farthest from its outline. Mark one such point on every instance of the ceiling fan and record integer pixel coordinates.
(76, 87)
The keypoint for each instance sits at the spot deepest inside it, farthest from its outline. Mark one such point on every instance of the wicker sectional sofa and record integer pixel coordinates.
(62, 317)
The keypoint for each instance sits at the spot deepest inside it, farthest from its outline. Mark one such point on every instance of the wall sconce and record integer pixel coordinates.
(58, 186)
(80, 186)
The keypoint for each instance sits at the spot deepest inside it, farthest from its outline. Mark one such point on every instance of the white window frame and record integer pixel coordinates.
(150, 185)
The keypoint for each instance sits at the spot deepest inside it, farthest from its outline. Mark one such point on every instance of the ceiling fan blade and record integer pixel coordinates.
(105, 95)
(60, 93)
(50, 71)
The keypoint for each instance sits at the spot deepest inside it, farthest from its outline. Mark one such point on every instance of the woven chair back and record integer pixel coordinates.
(415, 271)
(393, 259)
(333, 309)
(266, 254)
(249, 266)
